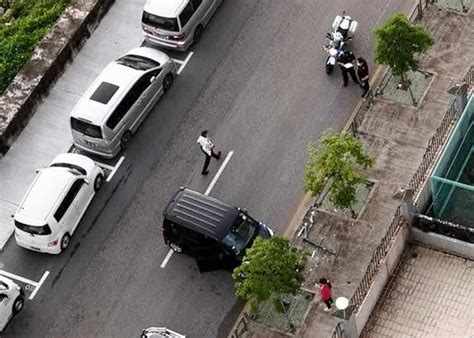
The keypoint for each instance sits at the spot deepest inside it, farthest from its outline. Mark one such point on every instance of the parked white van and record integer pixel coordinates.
(176, 24)
(11, 300)
(117, 102)
(55, 202)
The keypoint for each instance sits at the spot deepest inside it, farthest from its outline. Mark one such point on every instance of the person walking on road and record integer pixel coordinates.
(325, 293)
(345, 62)
(207, 147)
(363, 74)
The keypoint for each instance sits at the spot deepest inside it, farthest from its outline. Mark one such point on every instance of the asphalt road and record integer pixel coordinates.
(257, 83)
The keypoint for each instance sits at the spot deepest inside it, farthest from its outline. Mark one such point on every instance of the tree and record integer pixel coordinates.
(397, 43)
(270, 269)
(336, 163)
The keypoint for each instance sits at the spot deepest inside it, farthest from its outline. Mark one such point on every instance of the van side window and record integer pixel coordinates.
(128, 101)
(68, 199)
(196, 3)
(186, 14)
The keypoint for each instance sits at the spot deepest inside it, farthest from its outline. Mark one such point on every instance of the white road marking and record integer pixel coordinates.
(114, 170)
(167, 258)
(183, 63)
(219, 172)
(18, 278)
(103, 165)
(27, 281)
(43, 278)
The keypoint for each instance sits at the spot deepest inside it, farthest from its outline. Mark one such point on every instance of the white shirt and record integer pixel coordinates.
(206, 144)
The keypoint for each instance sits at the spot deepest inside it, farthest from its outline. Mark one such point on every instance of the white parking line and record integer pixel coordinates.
(167, 258)
(114, 170)
(219, 172)
(37, 285)
(208, 190)
(103, 165)
(183, 63)
(43, 278)
(18, 278)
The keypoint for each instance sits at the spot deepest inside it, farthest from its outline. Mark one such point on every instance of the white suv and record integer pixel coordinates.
(11, 300)
(55, 202)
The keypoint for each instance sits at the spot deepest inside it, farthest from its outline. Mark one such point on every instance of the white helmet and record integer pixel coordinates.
(337, 37)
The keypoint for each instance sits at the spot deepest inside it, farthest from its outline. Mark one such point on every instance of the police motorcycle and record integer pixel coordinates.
(343, 29)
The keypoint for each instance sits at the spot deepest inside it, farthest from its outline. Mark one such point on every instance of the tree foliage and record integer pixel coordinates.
(397, 43)
(21, 28)
(271, 268)
(336, 163)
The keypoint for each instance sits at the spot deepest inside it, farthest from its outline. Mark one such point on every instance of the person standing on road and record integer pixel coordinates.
(363, 74)
(345, 62)
(325, 293)
(207, 147)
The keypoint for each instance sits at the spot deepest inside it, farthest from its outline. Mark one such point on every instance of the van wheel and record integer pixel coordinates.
(65, 241)
(197, 34)
(167, 82)
(98, 182)
(176, 248)
(126, 139)
(18, 305)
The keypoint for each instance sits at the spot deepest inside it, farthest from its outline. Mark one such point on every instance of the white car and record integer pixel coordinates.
(55, 202)
(11, 300)
(106, 117)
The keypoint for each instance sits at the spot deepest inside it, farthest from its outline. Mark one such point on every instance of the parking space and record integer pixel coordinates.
(31, 287)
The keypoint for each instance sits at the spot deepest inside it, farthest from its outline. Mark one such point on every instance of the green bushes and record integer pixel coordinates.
(21, 28)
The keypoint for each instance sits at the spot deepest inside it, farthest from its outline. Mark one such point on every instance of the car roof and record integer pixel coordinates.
(115, 74)
(165, 8)
(49, 185)
(201, 213)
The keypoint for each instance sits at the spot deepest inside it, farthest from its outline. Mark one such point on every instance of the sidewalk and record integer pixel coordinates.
(48, 133)
(396, 136)
(430, 294)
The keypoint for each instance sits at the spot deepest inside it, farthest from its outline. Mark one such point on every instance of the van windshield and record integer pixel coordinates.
(137, 62)
(33, 229)
(240, 234)
(86, 128)
(168, 24)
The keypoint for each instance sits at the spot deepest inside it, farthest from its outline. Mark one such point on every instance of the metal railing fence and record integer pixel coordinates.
(439, 137)
(378, 256)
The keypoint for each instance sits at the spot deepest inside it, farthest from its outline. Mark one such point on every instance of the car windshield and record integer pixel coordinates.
(86, 128)
(33, 229)
(76, 170)
(240, 234)
(137, 62)
(168, 24)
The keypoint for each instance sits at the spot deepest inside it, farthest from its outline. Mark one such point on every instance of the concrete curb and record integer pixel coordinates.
(17, 103)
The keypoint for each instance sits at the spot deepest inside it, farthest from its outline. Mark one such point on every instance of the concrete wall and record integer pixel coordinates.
(443, 243)
(424, 196)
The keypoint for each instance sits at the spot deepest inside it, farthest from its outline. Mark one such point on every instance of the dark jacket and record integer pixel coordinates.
(363, 72)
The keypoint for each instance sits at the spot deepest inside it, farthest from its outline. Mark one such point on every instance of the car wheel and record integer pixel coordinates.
(167, 82)
(98, 182)
(65, 241)
(18, 304)
(176, 248)
(126, 139)
(197, 33)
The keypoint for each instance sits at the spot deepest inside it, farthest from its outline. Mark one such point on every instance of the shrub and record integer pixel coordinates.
(21, 28)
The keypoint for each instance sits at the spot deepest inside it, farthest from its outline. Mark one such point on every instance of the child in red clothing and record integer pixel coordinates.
(325, 293)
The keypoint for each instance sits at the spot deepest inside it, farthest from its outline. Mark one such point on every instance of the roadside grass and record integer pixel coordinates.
(22, 26)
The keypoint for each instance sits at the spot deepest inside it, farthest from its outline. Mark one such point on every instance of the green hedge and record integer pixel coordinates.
(21, 28)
